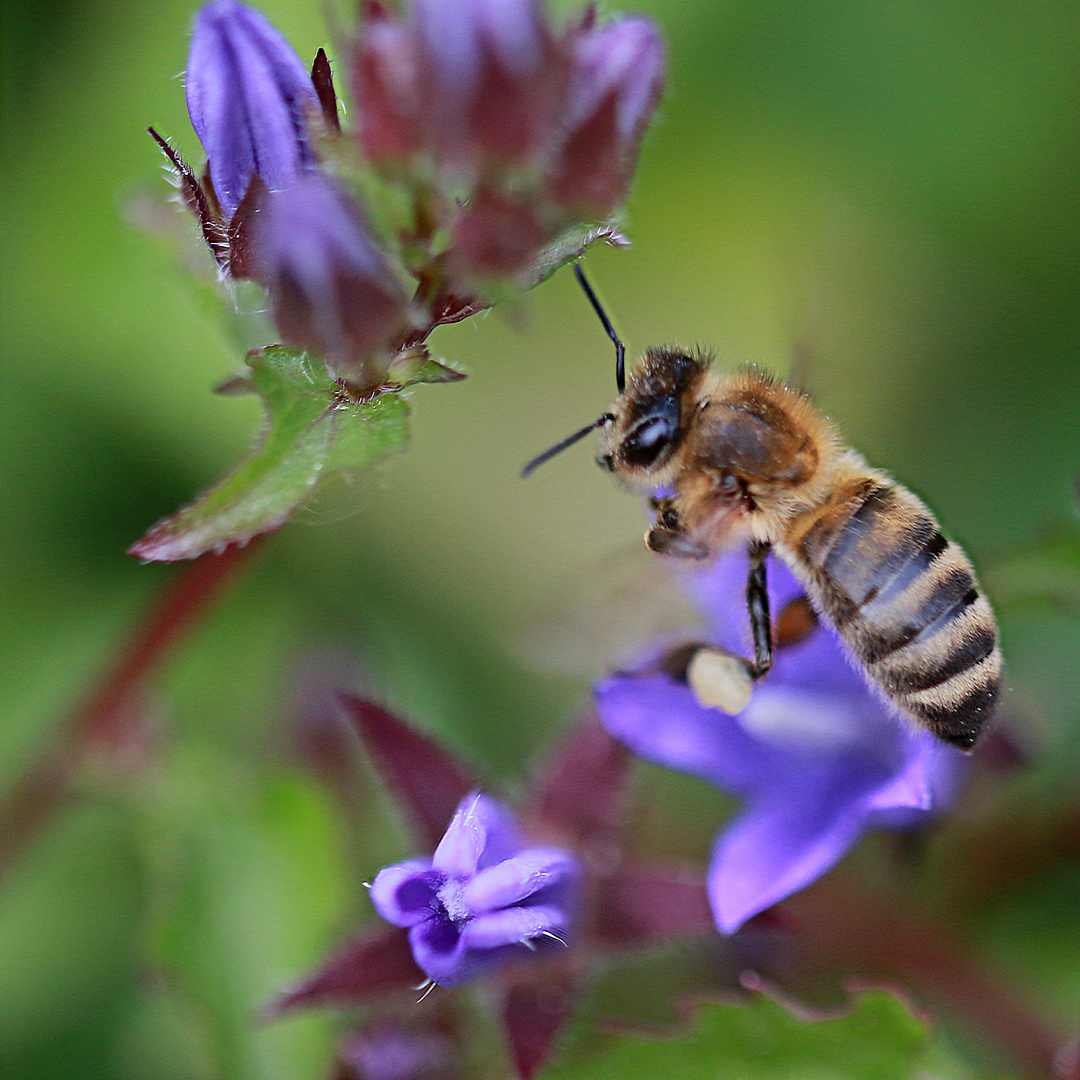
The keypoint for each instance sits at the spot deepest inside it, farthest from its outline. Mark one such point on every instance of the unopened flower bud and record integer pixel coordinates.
(617, 76)
(492, 77)
(332, 290)
(495, 236)
(385, 85)
(249, 97)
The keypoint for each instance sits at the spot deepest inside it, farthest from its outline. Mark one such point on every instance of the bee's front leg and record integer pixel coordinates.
(668, 537)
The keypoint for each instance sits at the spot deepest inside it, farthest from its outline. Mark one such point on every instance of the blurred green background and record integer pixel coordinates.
(887, 191)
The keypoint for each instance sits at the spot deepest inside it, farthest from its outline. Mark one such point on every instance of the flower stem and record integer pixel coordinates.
(99, 720)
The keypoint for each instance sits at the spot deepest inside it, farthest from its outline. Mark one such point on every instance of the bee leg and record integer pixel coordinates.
(757, 604)
(678, 544)
(668, 537)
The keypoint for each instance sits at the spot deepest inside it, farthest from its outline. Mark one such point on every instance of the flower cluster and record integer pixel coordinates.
(480, 898)
(816, 754)
(488, 148)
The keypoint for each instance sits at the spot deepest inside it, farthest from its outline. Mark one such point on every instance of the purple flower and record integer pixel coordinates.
(386, 87)
(390, 1051)
(491, 76)
(481, 898)
(249, 97)
(332, 290)
(816, 755)
(617, 76)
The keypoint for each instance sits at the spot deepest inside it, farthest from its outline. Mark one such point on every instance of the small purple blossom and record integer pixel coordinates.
(816, 755)
(492, 79)
(390, 1051)
(617, 75)
(333, 291)
(481, 898)
(249, 97)
(386, 86)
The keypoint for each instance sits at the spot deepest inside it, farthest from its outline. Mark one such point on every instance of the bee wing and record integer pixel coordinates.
(610, 615)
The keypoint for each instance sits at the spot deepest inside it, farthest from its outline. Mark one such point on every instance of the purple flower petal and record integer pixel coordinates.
(661, 721)
(439, 951)
(479, 834)
(817, 752)
(927, 780)
(624, 60)
(406, 893)
(785, 838)
(516, 879)
(513, 926)
(456, 35)
(248, 95)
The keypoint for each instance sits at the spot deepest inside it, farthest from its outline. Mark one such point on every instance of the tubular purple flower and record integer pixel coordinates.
(249, 98)
(617, 76)
(386, 88)
(494, 236)
(491, 77)
(481, 899)
(391, 1051)
(817, 755)
(332, 290)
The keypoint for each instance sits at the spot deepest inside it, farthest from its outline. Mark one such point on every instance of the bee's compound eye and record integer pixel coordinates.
(651, 439)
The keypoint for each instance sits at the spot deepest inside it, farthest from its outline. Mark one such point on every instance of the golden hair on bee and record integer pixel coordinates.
(744, 459)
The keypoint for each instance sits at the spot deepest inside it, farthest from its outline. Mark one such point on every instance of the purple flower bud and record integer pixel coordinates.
(391, 1051)
(817, 755)
(332, 290)
(618, 72)
(249, 97)
(385, 85)
(482, 898)
(492, 77)
(495, 235)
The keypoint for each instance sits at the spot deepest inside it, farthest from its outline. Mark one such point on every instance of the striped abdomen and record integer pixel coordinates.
(905, 600)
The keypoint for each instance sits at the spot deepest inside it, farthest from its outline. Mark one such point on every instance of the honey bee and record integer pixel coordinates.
(744, 459)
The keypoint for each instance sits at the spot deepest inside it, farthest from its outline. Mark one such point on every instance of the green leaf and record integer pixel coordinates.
(878, 1039)
(311, 431)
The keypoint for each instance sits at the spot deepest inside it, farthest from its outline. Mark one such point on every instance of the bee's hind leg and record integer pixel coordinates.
(757, 606)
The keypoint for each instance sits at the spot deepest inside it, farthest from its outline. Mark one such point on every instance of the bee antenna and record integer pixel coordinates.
(620, 348)
(559, 447)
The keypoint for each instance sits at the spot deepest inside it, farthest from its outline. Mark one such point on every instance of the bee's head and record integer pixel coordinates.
(650, 419)
(647, 422)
